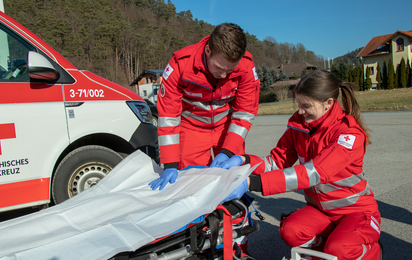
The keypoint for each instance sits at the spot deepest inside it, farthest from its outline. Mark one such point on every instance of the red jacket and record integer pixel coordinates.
(330, 151)
(190, 97)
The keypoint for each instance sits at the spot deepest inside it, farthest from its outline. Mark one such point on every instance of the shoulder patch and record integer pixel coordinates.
(166, 73)
(254, 73)
(347, 140)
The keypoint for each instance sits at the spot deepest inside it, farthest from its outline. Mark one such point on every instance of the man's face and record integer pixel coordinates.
(218, 66)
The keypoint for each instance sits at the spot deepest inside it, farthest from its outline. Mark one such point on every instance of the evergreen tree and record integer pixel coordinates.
(378, 77)
(343, 67)
(340, 70)
(396, 78)
(356, 74)
(361, 77)
(409, 70)
(403, 80)
(351, 74)
(304, 72)
(368, 83)
(384, 76)
(283, 76)
(335, 70)
(391, 75)
(259, 72)
(347, 77)
(273, 75)
(267, 79)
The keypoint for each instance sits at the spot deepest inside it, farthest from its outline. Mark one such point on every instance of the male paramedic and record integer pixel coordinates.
(208, 99)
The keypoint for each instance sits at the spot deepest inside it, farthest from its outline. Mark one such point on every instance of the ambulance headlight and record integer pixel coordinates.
(141, 110)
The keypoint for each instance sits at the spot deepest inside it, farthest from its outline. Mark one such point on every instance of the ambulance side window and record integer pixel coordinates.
(13, 57)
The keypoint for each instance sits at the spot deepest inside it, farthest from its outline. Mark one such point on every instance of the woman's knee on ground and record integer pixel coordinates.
(292, 234)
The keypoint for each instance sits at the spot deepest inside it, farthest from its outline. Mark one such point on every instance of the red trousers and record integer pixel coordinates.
(196, 145)
(351, 236)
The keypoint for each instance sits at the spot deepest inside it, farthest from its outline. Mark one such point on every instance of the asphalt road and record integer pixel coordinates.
(387, 168)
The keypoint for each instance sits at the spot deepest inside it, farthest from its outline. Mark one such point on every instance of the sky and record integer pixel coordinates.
(329, 28)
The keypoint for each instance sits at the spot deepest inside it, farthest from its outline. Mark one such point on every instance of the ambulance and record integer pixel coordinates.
(61, 129)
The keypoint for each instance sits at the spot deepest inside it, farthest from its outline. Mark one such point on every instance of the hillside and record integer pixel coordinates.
(118, 39)
(350, 57)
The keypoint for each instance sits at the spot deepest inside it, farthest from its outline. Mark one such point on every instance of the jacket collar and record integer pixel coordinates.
(199, 57)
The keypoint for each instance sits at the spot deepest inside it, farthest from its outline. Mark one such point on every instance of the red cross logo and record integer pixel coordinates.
(347, 138)
(7, 131)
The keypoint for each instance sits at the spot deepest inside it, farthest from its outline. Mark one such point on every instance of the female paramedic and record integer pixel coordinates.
(341, 217)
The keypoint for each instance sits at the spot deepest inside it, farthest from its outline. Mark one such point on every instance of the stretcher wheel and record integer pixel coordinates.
(81, 169)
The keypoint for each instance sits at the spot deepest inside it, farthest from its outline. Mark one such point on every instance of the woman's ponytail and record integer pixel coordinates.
(352, 108)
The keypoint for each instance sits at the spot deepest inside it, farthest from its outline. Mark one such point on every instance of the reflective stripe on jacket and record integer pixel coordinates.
(191, 98)
(330, 151)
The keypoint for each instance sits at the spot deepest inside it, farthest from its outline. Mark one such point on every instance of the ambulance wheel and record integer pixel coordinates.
(81, 169)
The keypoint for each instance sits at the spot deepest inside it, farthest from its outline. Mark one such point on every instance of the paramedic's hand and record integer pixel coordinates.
(236, 160)
(169, 175)
(218, 159)
(238, 192)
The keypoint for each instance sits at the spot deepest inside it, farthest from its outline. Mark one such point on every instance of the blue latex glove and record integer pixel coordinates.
(236, 160)
(238, 192)
(169, 175)
(218, 159)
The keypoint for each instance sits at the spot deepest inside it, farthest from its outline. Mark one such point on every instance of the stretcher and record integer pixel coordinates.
(123, 214)
(203, 238)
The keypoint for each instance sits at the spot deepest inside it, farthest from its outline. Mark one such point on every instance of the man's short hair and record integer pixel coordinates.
(229, 40)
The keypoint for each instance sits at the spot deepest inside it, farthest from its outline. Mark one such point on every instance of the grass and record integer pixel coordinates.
(369, 101)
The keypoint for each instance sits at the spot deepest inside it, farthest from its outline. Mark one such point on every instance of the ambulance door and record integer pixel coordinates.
(33, 128)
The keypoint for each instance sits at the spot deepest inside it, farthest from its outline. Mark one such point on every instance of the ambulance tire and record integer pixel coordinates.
(81, 169)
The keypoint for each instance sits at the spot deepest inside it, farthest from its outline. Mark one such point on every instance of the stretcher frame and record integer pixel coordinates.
(197, 241)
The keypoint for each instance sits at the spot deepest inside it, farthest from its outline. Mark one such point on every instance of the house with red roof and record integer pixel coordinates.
(397, 45)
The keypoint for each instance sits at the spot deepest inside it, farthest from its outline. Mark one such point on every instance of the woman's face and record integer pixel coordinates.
(311, 109)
